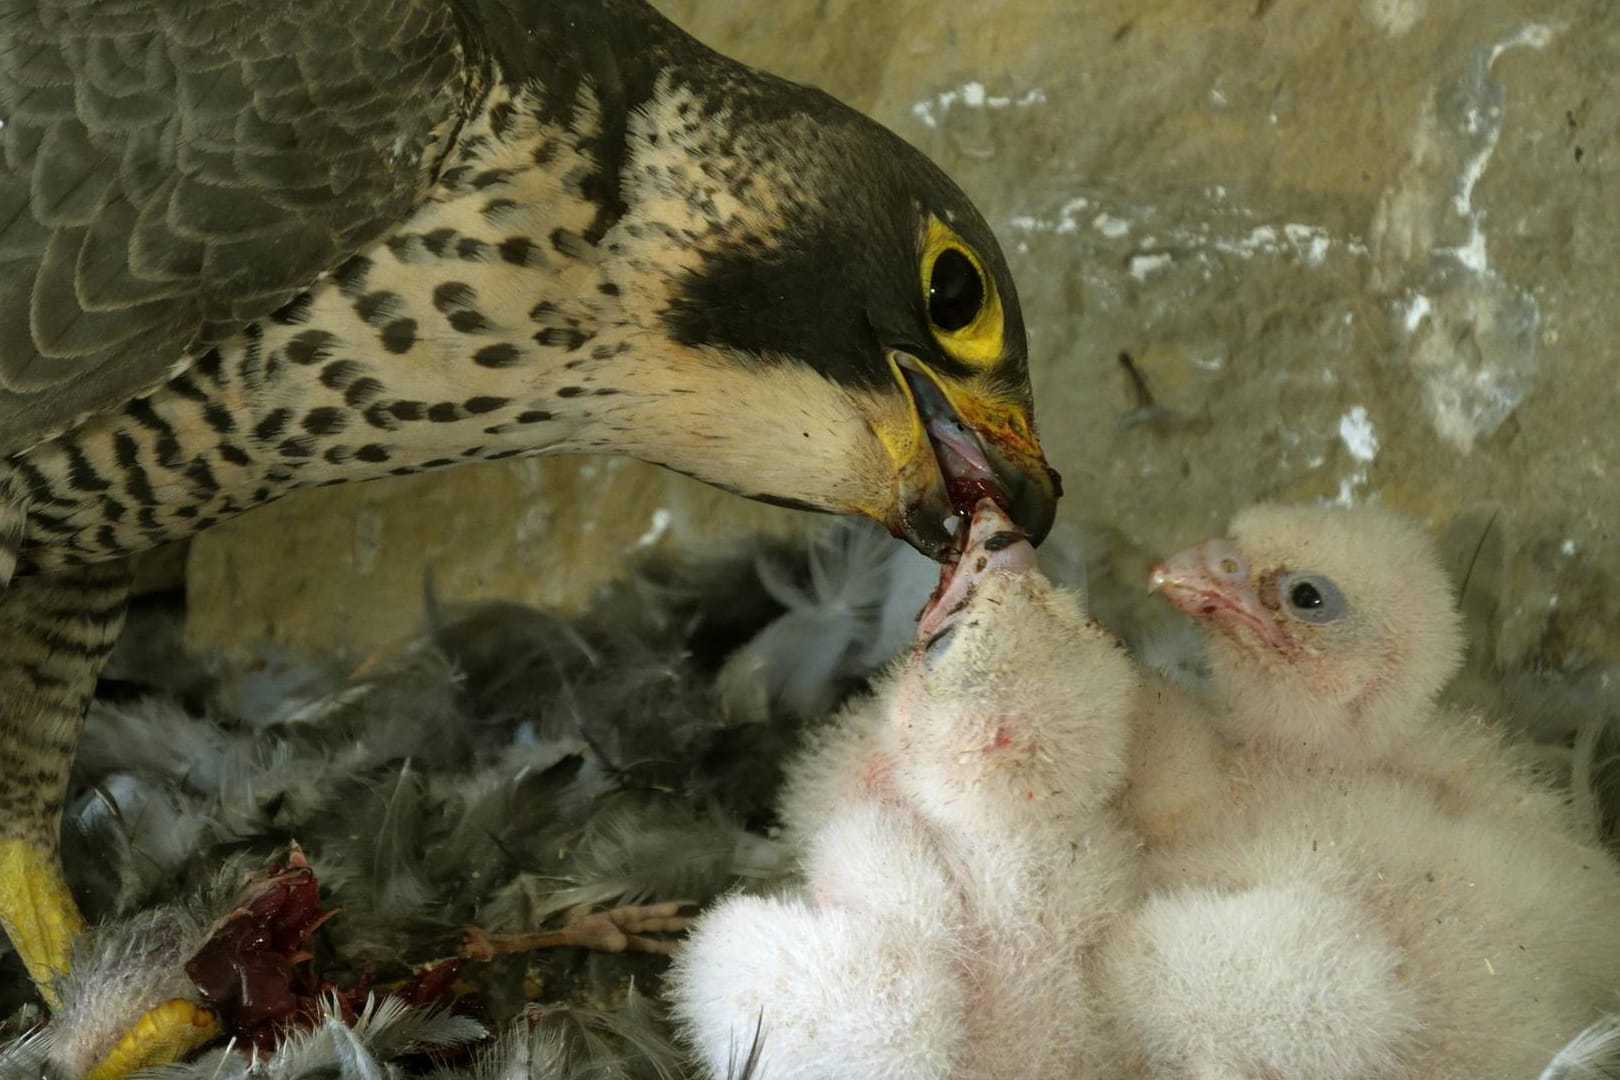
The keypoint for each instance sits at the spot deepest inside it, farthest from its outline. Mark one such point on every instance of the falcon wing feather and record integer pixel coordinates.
(175, 168)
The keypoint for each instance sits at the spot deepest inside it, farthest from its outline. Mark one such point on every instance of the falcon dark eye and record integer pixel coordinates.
(1312, 598)
(955, 291)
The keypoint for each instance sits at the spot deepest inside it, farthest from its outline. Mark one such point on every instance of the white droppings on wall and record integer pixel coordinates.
(1144, 265)
(1310, 241)
(1360, 440)
(1358, 434)
(1110, 226)
(972, 95)
(1477, 359)
(659, 525)
(1416, 310)
(1395, 17)
(1065, 222)
(1310, 244)
(1483, 118)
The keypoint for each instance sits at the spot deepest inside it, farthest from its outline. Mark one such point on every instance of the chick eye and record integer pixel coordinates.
(955, 291)
(1312, 598)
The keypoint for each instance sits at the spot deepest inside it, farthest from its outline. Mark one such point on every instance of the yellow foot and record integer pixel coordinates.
(40, 917)
(38, 913)
(164, 1035)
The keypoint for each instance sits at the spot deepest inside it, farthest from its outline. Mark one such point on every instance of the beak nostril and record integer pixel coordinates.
(1221, 561)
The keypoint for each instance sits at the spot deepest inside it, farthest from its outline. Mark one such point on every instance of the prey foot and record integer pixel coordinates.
(622, 929)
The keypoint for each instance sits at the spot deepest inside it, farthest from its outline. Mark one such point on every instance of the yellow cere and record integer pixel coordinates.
(975, 335)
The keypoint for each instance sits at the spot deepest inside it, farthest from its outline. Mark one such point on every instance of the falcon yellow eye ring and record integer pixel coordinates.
(964, 310)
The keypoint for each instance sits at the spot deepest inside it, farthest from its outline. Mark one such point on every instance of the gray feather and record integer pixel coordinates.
(636, 851)
(592, 1044)
(333, 1050)
(855, 611)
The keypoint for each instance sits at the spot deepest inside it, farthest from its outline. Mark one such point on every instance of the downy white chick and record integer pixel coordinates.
(962, 855)
(1333, 632)
(1373, 887)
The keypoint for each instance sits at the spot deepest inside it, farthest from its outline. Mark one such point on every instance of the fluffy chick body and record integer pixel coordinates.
(1346, 881)
(963, 858)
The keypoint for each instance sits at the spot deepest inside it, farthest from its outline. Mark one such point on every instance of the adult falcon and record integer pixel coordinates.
(248, 247)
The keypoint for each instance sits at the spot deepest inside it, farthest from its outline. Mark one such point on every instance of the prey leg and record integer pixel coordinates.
(622, 929)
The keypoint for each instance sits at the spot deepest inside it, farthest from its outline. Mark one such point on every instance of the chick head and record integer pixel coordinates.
(1334, 629)
(1013, 696)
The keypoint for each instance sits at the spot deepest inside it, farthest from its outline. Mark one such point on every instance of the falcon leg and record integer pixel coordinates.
(55, 634)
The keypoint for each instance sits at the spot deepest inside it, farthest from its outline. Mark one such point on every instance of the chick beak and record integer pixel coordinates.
(963, 449)
(992, 545)
(1212, 581)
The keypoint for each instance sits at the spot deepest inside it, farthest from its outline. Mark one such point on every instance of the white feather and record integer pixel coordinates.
(1594, 1054)
(332, 1050)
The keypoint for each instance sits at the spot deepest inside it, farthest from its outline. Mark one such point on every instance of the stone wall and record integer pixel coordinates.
(1307, 249)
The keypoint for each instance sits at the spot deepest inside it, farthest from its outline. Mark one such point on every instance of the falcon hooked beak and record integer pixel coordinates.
(966, 431)
(969, 432)
(956, 447)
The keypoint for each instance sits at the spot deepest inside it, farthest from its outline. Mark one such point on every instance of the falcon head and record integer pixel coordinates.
(818, 316)
(890, 364)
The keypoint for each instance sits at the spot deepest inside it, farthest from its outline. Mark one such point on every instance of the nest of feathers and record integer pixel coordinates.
(324, 837)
